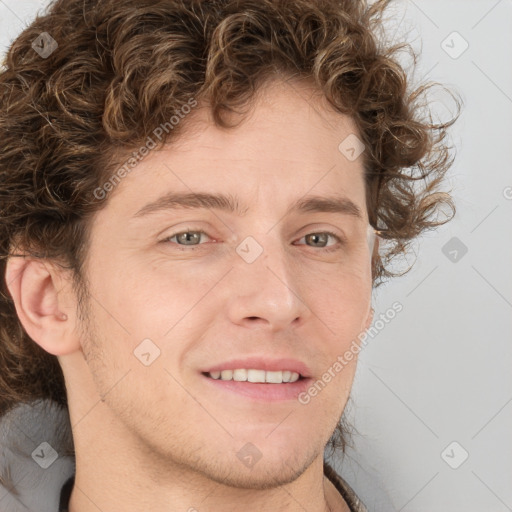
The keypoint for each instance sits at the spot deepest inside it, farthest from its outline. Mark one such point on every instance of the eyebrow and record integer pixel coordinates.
(228, 203)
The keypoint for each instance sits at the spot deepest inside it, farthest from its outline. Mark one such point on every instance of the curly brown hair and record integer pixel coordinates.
(120, 69)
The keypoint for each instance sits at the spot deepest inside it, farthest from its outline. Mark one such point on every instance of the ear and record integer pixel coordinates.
(375, 256)
(375, 252)
(44, 302)
(369, 319)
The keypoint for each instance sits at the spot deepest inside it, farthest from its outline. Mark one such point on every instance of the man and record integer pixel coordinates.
(191, 193)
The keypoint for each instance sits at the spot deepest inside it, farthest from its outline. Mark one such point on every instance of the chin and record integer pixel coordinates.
(266, 473)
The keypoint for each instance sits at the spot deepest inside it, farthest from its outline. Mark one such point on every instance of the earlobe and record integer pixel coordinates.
(36, 288)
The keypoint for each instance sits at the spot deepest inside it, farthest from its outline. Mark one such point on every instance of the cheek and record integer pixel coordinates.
(342, 302)
(141, 301)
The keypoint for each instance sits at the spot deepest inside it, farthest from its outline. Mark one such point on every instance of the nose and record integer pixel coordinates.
(267, 292)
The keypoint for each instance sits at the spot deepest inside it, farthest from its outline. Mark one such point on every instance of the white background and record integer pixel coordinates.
(440, 371)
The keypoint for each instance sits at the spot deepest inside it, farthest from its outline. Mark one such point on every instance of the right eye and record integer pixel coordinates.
(184, 237)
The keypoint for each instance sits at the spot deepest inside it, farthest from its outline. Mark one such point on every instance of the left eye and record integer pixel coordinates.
(321, 238)
(188, 238)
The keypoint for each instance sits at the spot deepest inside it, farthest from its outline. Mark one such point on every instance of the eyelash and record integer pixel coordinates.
(325, 249)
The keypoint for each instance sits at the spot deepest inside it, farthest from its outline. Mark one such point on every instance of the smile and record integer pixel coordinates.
(252, 375)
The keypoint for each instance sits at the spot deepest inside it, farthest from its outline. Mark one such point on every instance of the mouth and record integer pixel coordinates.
(259, 385)
(255, 376)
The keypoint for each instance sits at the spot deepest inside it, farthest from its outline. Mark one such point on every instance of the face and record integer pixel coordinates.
(177, 291)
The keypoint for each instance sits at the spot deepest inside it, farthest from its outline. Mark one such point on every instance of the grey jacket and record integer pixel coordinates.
(37, 463)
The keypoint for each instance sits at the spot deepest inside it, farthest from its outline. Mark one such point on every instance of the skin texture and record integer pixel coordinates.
(161, 437)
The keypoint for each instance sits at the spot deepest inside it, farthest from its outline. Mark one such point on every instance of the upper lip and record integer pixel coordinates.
(260, 363)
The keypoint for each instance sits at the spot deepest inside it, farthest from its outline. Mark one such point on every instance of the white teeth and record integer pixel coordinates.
(274, 377)
(256, 375)
(294, 377)
(240, 375)
(226, 375)
(243, 375)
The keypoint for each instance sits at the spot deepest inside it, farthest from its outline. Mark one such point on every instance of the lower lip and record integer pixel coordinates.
(263, 391)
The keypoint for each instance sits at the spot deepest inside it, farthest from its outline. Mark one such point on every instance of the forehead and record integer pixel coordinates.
(286, 145)
(292, 118)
